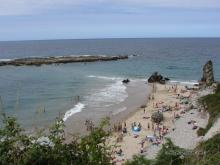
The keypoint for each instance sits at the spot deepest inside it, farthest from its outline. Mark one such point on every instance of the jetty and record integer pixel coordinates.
(38, 61)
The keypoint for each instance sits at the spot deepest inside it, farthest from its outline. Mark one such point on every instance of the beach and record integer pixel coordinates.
(177, 101)
(182, 116)
(36, 96)
(137, 92)
(180, 124)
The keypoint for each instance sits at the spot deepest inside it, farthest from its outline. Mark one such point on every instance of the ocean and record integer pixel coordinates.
(36, 96)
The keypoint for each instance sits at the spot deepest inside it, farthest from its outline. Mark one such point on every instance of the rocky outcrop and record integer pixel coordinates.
(208, 74)
(157, 78)
(37, 61)
(125, 81)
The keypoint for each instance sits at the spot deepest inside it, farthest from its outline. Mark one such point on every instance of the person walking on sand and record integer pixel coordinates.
(152, 126)
(125, 124)
(148, 125)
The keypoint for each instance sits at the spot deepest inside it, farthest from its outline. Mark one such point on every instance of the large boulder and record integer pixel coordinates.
(125, 81)
(157, 78)
(157, 117)
(208, 75)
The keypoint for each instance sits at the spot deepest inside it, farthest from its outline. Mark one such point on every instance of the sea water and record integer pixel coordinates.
(38, 95)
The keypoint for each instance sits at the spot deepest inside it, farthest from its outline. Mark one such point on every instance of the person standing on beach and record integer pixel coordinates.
(125, 124)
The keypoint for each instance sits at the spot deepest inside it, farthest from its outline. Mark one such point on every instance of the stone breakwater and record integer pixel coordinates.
(38, 61)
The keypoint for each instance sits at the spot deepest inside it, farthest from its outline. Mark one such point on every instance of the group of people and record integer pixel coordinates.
(134, 124)
(157, 130)
(120, 127)
(194, 123)
(89, 125)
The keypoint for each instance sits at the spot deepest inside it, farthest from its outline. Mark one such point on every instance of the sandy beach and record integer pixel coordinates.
(182, 118)
(137, 91)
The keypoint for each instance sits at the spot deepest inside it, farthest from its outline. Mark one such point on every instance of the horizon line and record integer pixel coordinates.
(55, 39)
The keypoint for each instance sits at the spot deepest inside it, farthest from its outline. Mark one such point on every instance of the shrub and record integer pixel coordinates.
(19, 148)
(157, 117)
(212, 102)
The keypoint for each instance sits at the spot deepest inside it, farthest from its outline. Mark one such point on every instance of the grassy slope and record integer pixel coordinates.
(213, 103)
(207, 153)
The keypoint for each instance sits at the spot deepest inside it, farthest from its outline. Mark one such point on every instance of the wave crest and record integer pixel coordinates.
(76, 109)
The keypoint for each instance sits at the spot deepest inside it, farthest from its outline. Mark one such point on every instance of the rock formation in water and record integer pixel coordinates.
(125, 81)
(208, 74)
(37, 61)
(157, 78)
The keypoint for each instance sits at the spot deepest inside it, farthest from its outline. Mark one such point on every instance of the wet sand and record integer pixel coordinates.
(138, 92)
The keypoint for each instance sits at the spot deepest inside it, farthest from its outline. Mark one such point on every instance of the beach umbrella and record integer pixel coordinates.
(136, 129)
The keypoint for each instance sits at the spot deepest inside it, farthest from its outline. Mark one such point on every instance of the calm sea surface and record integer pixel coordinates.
(37, 95)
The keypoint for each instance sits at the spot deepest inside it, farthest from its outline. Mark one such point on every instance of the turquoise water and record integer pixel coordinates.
(26, 92)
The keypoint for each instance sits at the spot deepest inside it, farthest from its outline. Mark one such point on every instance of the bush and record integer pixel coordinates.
(139, 160)
(19, 148)
(212, 102)
(207, 153)
(157, 117)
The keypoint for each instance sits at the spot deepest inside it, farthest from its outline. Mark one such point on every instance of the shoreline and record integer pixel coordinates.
(121, 117)
(136, 98)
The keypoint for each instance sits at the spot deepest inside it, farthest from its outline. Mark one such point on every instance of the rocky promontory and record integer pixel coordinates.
(38, 61)
(208, 74)
(157, 78)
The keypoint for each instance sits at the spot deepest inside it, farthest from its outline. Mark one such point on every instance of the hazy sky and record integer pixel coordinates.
(56, 19)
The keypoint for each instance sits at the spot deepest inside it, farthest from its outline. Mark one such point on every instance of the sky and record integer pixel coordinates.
(82, 19)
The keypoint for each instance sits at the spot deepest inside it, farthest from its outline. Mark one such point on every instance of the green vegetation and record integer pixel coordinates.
(19, 148)
(207, 153)
(212, 102)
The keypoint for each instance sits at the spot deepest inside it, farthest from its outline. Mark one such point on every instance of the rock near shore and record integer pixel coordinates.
(208, 74)
(157, 78)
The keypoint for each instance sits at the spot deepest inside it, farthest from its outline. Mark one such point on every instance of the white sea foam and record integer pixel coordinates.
(119, 110)
(5, 60)
(77, 108)
(106, 78)
(190, 82)
(110, 95)
(86, 55)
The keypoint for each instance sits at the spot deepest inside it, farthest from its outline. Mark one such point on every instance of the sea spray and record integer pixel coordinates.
(105, 77)
(110, 95)
(182, 82)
